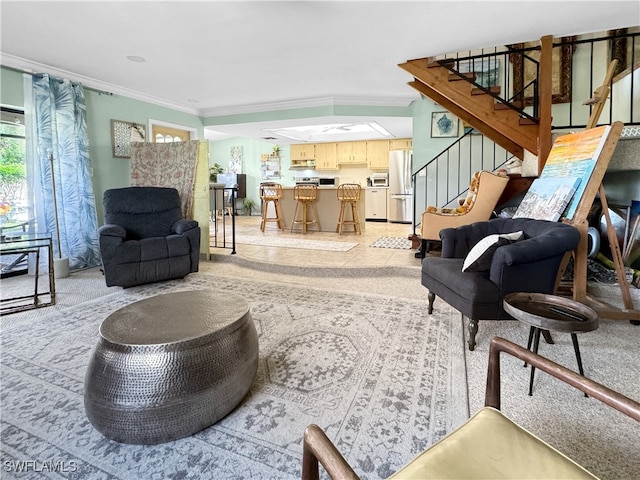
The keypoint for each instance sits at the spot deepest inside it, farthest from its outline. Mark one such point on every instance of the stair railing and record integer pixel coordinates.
(519, 82)
(521, 94)
(447, 176)
(487, 70)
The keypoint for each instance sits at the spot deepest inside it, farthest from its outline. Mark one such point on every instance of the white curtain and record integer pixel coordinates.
(167, 165)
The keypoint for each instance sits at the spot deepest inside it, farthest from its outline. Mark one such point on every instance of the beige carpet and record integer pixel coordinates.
(599, 438)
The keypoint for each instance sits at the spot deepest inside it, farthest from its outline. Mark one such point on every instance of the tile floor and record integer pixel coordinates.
(362, 255)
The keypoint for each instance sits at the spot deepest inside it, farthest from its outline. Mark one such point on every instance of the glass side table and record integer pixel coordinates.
(29, 244)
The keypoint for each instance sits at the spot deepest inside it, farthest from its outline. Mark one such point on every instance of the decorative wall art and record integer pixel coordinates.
(235, 162)
(122, 134)
(575, 155)
(444, 124)
(167, 165)
(525, 70)
(621, 49)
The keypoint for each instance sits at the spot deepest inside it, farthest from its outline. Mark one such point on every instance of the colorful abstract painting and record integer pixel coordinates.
(575, 156)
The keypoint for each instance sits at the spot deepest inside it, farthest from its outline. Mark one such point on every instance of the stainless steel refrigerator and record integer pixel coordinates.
(400, 188)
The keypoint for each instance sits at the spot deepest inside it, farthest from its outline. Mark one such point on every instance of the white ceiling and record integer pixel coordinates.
(215, 58)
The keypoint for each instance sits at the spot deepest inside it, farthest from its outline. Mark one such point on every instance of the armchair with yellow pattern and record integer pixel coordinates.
(484, 192)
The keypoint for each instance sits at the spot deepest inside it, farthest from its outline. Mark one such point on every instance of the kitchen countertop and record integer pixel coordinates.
(328, 208)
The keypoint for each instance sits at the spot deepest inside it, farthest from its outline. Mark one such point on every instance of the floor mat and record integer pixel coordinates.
(392, 242)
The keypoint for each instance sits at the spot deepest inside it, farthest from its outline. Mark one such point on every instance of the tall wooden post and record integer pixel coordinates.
(545, 96)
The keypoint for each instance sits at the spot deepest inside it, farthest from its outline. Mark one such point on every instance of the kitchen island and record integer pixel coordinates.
(328, 207)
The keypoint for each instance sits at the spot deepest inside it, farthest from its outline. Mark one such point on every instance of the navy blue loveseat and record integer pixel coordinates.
(528, 265)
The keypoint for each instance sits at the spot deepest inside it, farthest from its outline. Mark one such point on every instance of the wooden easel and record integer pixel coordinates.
(581, 222)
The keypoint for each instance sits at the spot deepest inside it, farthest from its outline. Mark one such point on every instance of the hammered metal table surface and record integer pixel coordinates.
(171, 365)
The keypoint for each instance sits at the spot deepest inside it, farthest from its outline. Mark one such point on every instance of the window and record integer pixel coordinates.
(164, 134)
(13, 170)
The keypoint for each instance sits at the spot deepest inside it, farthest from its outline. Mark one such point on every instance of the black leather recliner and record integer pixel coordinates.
(528, 265)
(145, 239)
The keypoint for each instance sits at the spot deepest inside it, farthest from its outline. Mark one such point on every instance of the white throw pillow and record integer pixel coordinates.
(479, 257)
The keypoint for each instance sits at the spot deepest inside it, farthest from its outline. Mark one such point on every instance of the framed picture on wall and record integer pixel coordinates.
(235, 160)
(122, 134)
(444, 124)
(525, 70)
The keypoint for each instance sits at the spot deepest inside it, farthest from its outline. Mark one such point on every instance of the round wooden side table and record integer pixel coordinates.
(551, 313)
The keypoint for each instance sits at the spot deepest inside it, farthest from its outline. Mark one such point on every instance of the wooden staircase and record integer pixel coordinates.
(482, 108)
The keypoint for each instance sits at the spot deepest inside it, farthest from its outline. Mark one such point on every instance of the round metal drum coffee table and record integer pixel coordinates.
(551, 313)
(171, 365)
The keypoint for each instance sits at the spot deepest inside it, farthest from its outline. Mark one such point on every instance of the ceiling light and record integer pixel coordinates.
(137, 59)
(345, 131)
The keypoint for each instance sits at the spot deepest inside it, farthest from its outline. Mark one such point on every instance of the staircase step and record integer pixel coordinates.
(504, 106)
(502, 125)
(482, 91)
(433, 63)
(453, 77)
(526, 121)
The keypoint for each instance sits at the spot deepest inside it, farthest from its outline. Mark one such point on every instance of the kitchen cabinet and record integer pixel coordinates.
(302, 155)
(353, 153)
(326, 156)
(400, 144)
(378, 154)
(375, 204)
(305, 151)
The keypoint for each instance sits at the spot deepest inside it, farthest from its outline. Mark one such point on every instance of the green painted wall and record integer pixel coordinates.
(108, 172)
(426, 148)
(11, 89)
(220, 152)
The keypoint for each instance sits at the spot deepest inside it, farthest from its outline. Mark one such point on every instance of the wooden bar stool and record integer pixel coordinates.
(271, 192)
(348, 195)
(305, 196)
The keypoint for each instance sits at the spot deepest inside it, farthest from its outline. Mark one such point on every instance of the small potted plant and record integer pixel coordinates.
(214, 171)
(248, 205)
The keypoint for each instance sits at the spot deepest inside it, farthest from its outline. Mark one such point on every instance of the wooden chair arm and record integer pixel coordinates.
(318, 448)
(595, 390)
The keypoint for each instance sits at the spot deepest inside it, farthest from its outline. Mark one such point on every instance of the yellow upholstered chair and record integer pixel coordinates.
(484, 192)
(489, 444)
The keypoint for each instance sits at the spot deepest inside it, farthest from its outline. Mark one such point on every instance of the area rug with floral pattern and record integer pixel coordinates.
(383, 378)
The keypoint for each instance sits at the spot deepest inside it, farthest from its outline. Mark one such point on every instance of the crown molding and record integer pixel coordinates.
(28, 66)
(309, 103)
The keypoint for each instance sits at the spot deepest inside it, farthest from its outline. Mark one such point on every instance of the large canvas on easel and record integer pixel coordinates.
(575, 155)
